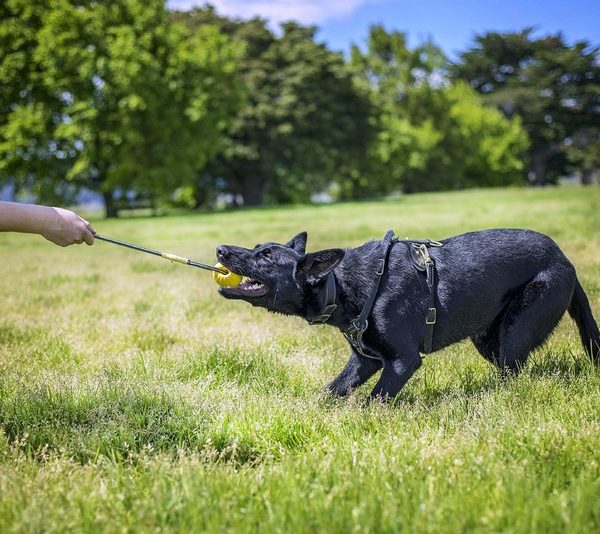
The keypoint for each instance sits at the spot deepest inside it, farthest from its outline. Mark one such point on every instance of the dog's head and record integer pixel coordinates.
(278, 277)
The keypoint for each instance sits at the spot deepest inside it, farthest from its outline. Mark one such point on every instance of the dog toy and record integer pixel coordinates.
(224, 277)
(230, 279)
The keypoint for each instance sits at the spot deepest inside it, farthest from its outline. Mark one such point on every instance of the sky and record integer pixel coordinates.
(450, 24)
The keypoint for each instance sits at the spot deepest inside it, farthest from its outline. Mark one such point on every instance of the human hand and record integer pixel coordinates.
(64, 228)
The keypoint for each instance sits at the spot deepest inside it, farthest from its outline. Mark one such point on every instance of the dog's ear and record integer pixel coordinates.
(318, 265)
(298, 243)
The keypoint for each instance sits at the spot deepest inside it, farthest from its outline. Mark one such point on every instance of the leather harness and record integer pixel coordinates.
(421, 260)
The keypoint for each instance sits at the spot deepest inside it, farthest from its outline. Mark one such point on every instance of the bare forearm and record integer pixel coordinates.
(62, 227)
(28, 218)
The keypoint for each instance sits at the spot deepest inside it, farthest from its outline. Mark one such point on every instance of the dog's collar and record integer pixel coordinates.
(329, 305)
(354, 332)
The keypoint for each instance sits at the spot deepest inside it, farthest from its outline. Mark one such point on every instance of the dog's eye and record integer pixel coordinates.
(267, 254)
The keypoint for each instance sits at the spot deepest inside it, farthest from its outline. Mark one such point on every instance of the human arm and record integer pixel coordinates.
(62, 227)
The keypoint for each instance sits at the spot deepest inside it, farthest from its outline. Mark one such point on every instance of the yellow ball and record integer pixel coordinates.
(226, 280)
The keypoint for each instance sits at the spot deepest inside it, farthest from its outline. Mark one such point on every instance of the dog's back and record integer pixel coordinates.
(480, 272)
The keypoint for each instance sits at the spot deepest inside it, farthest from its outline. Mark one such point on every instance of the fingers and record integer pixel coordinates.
(88, 232)
(88, 237)
(67, 228)
(89, 227)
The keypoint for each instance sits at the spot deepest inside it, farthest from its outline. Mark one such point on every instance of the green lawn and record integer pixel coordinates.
(134, 398)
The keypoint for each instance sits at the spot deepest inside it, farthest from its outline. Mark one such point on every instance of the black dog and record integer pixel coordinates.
(505, 289)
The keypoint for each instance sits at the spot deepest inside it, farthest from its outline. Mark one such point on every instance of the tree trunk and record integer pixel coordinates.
(537, 170)
(253, 190)
(109, 205)
(586, 177)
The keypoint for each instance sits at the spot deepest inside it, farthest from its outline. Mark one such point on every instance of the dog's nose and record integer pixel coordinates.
(222, 251)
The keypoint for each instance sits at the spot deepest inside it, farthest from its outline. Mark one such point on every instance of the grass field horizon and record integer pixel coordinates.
(134, 398)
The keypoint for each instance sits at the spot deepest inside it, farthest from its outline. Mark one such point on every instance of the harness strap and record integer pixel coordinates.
(431, 316)
(366, 310)
(357, 327)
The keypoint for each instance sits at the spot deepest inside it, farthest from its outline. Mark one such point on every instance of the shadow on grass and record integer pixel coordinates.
(233, 365)
(564, 365)
(116, 419)
(469, 385)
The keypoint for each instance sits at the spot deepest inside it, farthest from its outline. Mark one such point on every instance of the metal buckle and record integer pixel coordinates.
(430, 273)
(422, 250)
(328, 311)
(431, 316)
(355, 331)
(381, 267)
(325, 315)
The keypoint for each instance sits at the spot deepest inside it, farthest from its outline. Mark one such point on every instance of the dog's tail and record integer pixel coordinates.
(580, 311)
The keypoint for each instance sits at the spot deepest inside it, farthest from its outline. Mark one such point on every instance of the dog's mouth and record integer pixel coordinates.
(249, 287)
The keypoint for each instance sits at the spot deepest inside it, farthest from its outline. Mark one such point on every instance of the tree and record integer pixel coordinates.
(552, 86)
(583, 153)
(303, 124)
(110, 96)
(431, 134)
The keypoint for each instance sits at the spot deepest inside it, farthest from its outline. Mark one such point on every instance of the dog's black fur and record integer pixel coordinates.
(505, 289)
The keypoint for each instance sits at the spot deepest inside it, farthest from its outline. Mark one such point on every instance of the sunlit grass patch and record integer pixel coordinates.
(152, 337)
(11, 335)
(234, 365)
(37, 346)
(148, 266)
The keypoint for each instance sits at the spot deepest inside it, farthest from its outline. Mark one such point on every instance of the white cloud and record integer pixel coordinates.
(304, 11)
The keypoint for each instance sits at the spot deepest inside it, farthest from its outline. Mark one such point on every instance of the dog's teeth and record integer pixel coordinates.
(250, 285)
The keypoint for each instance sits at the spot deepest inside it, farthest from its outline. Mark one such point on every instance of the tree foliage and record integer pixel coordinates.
(431, 135)
(125, 97)
(110, 95)
(552, 86)
(303, 125)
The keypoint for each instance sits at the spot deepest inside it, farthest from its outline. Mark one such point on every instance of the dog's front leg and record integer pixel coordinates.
(356, 372)
(395, 374)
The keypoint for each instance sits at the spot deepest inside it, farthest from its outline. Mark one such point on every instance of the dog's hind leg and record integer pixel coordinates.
(356, 372)
(487, 343)
(395, 374)
(532, 315)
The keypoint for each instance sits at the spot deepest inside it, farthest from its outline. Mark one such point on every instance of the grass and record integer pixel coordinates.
(133, 398)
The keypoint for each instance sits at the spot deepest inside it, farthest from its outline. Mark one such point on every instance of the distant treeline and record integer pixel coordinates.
(129, 99)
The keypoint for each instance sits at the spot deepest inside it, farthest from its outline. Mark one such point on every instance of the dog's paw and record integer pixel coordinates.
(335, 389)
